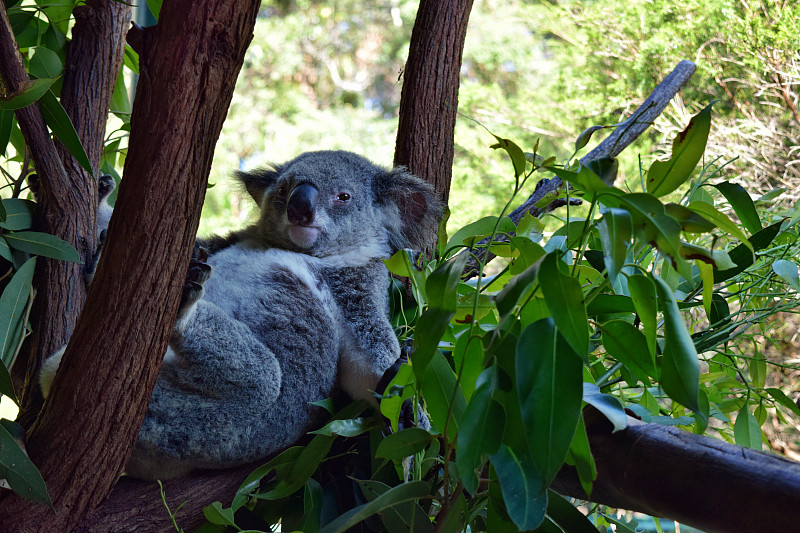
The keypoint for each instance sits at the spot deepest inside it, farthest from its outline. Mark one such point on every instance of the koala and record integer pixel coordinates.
(282, 313)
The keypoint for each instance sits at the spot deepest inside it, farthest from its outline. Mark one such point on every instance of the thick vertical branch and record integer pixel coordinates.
(429, 100)
(88, 425)
(67, 206)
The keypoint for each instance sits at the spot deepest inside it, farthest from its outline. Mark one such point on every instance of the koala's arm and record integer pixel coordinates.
(362, 296)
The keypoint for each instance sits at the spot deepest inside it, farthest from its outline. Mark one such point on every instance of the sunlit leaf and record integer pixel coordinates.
(514, 152)
(690, 221)
(687, 149)
(583, 138)
(680, 369)
(746, 430)
(609, 405)
(722, 221)
(584, 179)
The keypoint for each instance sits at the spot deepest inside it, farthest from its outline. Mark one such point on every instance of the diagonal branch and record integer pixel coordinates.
(622, 137)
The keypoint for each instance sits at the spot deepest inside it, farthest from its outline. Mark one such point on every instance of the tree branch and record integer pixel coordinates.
(622, 137)
(697, 480)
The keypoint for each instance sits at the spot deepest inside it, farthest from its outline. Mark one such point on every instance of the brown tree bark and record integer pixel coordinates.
(67, 206)
(699, 481)
(85, 432)
(429, 100)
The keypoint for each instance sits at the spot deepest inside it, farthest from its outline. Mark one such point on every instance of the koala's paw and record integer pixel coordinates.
(198, 274)
(34, 185)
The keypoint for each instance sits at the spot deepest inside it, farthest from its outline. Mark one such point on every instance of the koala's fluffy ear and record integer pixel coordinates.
(258, 181)
(417, 212)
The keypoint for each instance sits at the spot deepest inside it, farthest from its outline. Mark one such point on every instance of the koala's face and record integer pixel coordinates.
(323, 204)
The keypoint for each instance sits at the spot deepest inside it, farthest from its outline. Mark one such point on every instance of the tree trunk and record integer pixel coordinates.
(699, 481)
(85, 432)
(429, 100)
(67, 207)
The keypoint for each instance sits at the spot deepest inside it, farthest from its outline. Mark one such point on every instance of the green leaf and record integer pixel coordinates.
(548, 382)
(507, 298)
(12, 310)
(606, 169)
(443, 396)
(722, 221)
(584, 179)
(401, 518)
(742, 204)
(652, 225)
(583, 138)
(19, 214)
(580, 455)
(42, 244)
(690, 221)
(480, 229)
(687, 149)
(567, 516)
(788, 271)
(625, 343)
(481, 430)
(348, 428)
(643, 294)
(442, 284)
(45, 63)
(60, 124)
(306, 464)
(20, 473)
(155, 7)
(522, 487)
(779, 396)
(392, 402)
(30, 92)
(406, 443)
(615, 235)
(742, 255)
(281, 464)
(680, 369)
(405, 492)
(514, 152)
(609, 405)
(564, 299)
(746, 431)
(216, 514)
(468, 359)
(6, 125)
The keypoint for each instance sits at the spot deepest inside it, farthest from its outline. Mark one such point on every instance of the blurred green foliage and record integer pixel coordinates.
(326, 75)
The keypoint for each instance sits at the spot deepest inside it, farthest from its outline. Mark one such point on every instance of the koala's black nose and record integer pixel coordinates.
(301, 204)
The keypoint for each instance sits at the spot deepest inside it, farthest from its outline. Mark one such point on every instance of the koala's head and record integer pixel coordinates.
(331, 203)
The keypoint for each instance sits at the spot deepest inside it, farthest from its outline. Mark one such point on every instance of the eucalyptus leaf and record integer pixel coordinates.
(610, 406)
(680, 369)
(625, 343)
(746, 430)
(218, 515)
(60, 124)
(788, 271)
(45, 63)
(742, 204)
(13, 302)
(405, 492)
(615, 234)
(663, 177)
(19, 471)
(583, 179)
(564, 299)
(406, 443)
(19, 214)
(522, 487)
(643, 295)
(43, 244)
(30, 92)
(443, 396)
(514, 152)
(6, 124)
(548, 383)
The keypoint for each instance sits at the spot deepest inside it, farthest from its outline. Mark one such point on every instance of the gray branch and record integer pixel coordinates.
(622, 137)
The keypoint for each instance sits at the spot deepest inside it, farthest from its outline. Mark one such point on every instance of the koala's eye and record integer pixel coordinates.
(343, 197)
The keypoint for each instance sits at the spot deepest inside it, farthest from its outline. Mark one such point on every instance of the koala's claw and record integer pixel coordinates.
(198, 274)
(192, 292)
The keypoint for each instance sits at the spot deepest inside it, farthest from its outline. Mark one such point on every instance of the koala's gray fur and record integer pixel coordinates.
(296, 306)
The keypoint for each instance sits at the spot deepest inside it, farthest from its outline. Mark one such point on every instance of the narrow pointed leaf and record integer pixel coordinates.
(549, 389)
(615, 234)
(60, 124)
(680, 370)
(746, 430)
(643, 294)
(440, 390)
(405, 492)
(687, 149)
(522, 488)
(722, 221)
(514, 152)
(31, 91)
(21, 474)
(741, 203)
(625, 343)
(43, 244)
(12, 310)
(564, 299)
(398, 446)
